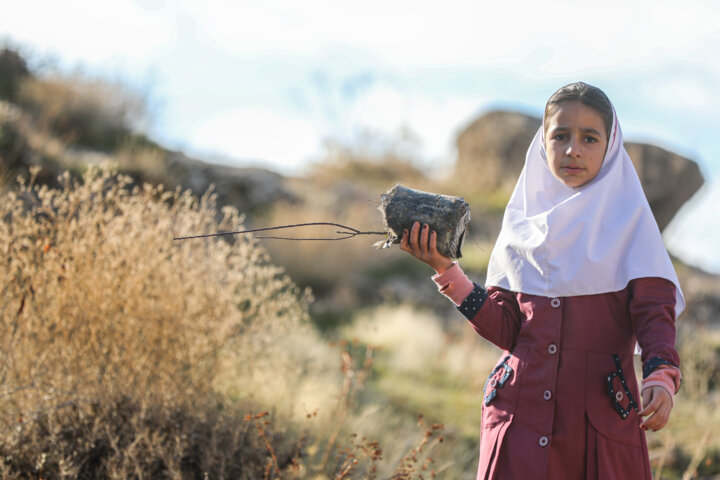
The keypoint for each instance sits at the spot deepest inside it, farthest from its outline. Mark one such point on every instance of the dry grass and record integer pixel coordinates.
(99, 304)
(98, 298)
(423, 365)
(128, 355)
(123, 438)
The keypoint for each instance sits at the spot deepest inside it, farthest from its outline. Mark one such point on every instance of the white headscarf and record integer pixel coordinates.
(559, 241)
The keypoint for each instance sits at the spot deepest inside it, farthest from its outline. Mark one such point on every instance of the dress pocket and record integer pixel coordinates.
(500, 392)
(611, 398)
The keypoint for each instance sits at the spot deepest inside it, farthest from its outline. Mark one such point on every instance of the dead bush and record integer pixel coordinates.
(99, 301)
(83, 110)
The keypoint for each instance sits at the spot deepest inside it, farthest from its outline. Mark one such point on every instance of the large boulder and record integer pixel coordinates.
(491, 154)
(669, 180)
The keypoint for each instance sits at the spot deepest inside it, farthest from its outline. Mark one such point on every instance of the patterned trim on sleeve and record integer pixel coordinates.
(654, 363)
(472, 304)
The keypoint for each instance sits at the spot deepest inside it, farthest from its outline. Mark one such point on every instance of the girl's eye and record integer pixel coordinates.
(590, 139)
(559, 137)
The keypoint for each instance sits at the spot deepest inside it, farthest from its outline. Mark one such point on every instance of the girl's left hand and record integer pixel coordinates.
(657, 404)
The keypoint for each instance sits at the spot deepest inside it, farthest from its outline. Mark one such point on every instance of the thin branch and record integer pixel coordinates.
(348, 232)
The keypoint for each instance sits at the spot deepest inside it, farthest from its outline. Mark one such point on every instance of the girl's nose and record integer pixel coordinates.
(573, 148)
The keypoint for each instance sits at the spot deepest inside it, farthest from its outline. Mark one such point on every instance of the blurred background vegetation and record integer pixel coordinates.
(127, 354)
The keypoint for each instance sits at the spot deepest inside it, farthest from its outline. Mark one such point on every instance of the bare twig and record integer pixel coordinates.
(348, 232)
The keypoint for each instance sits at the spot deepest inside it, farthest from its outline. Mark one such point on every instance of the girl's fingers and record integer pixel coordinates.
(432, 247)
(414, 238)
(405, 241)
(409, 241)
(656, 421)
(646, 396)
(650, 403)
(424, 240)
(658, 406)
(415, 242)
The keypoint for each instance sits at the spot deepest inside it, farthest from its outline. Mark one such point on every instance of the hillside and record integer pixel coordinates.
(133, 355)
(63, 123)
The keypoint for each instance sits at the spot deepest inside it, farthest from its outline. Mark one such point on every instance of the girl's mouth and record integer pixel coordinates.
(572, 169)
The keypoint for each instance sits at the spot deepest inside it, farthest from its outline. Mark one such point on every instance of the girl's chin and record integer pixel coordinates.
(573, 181)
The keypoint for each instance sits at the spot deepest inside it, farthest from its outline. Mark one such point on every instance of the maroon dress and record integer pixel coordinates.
(562, 401)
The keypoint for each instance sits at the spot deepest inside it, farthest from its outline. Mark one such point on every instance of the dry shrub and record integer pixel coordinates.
(124, 438)
(84, 110)
(128, 355)
(99, 301)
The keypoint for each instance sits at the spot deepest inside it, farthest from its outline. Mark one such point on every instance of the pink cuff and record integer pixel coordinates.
(454, 284)
(665, 376)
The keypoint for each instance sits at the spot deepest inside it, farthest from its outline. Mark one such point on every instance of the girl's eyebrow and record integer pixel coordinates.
(584, 130)
(591, 130)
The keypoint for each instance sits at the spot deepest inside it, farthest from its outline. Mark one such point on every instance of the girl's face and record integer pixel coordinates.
(575, 142)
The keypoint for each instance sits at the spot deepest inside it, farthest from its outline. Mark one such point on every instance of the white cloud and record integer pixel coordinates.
(579, 34)
(574, 34)
(257, 136)
(89, 32)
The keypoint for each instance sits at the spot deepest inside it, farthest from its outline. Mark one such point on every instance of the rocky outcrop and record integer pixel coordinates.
(491, 154)
(249, 189)
(669, 180)
(22, 145)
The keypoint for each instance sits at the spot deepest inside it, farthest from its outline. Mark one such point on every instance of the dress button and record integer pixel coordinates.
(555, 302)
(552, 349)
(619, 396)
(547, 394)
(543, 441)
(493, 383)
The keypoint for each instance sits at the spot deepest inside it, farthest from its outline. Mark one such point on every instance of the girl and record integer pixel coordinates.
(579, 275)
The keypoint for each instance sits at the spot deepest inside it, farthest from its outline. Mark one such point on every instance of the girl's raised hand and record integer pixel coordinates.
(423, 246)
(658, 404)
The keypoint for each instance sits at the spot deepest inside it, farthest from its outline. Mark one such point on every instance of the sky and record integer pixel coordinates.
(266, 83)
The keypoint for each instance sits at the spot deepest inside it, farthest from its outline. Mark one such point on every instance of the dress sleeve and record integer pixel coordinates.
(454, 284)
(499, 318)
(493, 313)
(652, 309)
